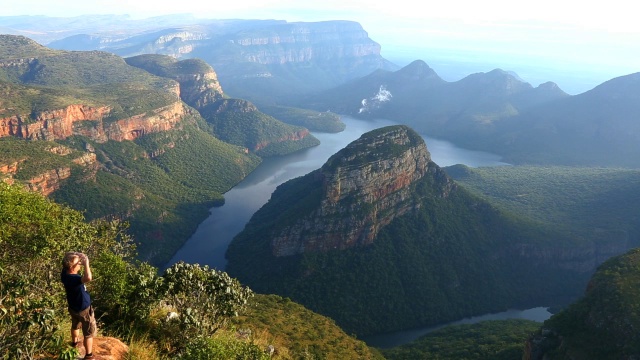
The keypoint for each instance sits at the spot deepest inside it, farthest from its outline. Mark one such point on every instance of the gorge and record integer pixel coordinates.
(207, 246)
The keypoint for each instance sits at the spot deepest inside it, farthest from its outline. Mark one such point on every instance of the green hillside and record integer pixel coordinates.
(235, 121)
(244, 125)
(310, 119)
(132, 300)
(162, 183)
(601, 325)
(487, 340)
(90, 78)
(163, 197)
(597, 204)
(167, 66)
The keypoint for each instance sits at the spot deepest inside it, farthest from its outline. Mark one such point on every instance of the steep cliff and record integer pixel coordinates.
(603, 324)
(90, 121)
(361, 194)
(380, 238)
(198, 81)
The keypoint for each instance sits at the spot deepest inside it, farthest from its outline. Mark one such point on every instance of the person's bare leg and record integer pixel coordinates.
(88, 345)
(75, 335)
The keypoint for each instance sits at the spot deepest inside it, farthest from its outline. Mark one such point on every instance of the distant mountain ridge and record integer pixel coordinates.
(499, 113)
(598, 127)
(418, 97)
(258, 60)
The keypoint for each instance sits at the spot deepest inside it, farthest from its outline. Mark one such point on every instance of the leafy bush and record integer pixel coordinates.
(204, 299)
(203, 348)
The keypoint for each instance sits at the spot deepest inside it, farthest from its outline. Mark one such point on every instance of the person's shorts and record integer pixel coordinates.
(84, 319)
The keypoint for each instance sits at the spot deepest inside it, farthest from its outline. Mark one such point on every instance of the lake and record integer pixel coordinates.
(209, 243)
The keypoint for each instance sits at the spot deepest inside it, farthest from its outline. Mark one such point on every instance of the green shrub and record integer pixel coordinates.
(202, 348)
(203, 298)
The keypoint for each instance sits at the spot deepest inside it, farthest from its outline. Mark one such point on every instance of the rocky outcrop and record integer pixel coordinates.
(162, 119)
(49, 181)
(50, 125)
(198, 82)
(364, 187)
(9, 168)
(200, 90)
(89, 121)
(107, 348)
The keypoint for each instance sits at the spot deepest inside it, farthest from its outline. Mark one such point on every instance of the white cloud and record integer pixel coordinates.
(383, 95)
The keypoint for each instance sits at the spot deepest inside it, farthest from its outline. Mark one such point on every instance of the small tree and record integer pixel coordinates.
(204, 298)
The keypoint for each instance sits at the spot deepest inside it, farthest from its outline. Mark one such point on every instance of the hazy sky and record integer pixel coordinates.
(577, 45)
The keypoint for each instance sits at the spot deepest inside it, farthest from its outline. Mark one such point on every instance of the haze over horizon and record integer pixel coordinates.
(576, 47)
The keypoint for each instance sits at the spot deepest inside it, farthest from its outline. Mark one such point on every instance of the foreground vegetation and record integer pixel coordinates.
(133, 301)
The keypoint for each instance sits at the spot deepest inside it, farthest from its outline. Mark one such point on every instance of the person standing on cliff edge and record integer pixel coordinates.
(79, 300)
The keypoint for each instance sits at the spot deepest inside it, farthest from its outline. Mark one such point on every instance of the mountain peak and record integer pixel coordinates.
(496, 81)
(418, 70)
(360, 190)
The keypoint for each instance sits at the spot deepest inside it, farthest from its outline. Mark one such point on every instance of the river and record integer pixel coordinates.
(209, 243)
(385, 341)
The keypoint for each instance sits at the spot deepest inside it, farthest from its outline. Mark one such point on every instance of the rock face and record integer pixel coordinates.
(162, 119)
(301, 42)
(198, 82)
(107, 348)
(200, 90)
(360, 197)
(89, 121)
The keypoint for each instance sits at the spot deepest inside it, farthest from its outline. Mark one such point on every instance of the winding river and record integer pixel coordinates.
(209, 243)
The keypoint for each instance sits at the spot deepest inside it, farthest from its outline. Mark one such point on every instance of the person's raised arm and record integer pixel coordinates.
(86, 276)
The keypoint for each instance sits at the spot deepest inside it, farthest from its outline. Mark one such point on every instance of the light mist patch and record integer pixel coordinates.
(376, 101)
